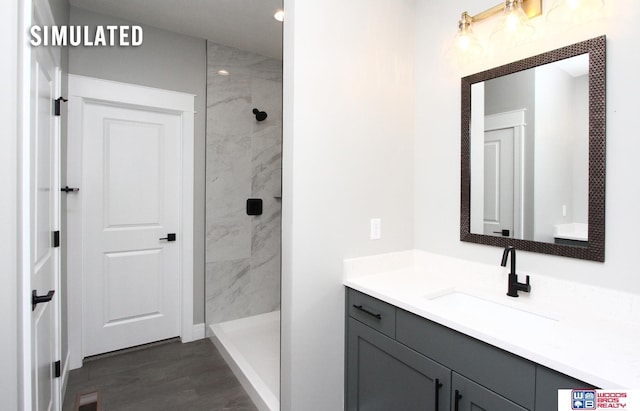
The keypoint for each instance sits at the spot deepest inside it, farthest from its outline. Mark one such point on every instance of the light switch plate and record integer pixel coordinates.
(375, 229)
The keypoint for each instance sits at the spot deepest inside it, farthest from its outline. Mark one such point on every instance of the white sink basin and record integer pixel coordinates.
(476, 306)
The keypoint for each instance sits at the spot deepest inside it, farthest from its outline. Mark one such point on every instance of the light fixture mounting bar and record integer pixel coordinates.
(532, 8)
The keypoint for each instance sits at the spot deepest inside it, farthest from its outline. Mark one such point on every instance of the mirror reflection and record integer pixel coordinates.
(529, 154)
(545, 121)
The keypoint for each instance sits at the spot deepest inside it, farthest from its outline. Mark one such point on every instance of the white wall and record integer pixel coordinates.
(553, 151)
(348, 142)
(580, 154)
(437, 150)
(8, 206)
(165, 60)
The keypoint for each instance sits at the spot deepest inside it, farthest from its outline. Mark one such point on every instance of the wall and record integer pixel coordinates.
(165, 60)
(554, 151)
(437, 149)
(580, 152)
(243, 161)
(347, 157)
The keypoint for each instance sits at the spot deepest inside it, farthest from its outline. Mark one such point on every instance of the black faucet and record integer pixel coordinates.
(513, 285)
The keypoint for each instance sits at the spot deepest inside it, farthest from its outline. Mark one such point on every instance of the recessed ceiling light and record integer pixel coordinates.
(223, 72)
(279, 15)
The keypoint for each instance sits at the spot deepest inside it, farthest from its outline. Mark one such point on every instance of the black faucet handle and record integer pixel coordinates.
(526, 287)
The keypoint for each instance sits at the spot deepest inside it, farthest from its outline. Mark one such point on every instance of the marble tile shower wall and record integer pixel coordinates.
(243, 161)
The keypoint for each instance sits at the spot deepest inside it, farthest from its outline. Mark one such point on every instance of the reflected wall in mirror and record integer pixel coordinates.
(533, 153)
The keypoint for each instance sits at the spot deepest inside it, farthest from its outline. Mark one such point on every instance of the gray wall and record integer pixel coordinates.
(243, 161)
(165, 60)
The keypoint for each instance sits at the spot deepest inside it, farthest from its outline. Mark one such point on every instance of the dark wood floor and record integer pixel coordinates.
(168, 376)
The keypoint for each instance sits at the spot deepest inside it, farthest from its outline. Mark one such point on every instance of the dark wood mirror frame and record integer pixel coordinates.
(596, 48)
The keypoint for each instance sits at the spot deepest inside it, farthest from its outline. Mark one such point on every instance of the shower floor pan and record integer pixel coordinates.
(251, 348)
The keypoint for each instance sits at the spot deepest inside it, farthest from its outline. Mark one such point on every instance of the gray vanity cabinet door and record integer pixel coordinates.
(548, 382)
(384, 375)
(474, 397)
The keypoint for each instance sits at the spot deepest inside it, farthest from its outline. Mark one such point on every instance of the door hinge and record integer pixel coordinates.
(56, 369)
(56, 239)
(56, 105)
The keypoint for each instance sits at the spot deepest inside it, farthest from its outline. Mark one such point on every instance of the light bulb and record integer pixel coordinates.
(465, 48)
(463, 42)
(573, 4)
(512, 22)
(513, 28)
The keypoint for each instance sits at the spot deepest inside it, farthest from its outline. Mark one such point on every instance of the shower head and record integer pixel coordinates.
(260, 115)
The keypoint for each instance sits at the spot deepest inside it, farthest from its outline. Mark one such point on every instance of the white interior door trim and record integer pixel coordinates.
(32, 12)
(82, 89)
(11, 374)
(516, 120)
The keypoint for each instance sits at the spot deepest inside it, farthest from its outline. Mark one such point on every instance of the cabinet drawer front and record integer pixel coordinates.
(508, 375)
(371, 311)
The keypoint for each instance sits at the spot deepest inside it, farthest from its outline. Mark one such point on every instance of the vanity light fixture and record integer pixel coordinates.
(279, 15)
(566, 12)
(512, 29)
(466, 42)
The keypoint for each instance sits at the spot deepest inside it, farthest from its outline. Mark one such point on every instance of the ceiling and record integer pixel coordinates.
(245, 24)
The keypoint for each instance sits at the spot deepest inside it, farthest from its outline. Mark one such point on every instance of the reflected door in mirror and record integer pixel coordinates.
(498, 182)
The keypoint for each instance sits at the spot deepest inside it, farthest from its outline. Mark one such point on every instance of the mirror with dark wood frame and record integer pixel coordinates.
(539, 218)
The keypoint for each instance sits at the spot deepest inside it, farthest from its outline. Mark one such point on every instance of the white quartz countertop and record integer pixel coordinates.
(586, 332)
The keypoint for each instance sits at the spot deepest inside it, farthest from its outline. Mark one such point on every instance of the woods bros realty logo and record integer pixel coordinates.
(598, 400)
(75, 36)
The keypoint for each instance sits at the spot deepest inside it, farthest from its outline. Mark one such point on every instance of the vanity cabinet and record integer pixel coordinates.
(384, 375)
(469, 396)
(396, 360)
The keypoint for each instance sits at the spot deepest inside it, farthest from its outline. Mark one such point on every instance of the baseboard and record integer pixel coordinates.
(198, 332)
(64, 378)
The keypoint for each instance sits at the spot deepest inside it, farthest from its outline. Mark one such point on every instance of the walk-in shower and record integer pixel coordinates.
(243, 162)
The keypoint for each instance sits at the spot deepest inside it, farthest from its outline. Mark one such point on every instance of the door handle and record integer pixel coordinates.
(37, 299)
(457, 399)
(68, 189)
(364, 310)
(438, 385)
(169, 237)
(504, 233)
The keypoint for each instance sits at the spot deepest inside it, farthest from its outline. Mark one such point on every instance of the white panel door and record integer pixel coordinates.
(44, 199)
(131, 201)
(498, 181)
